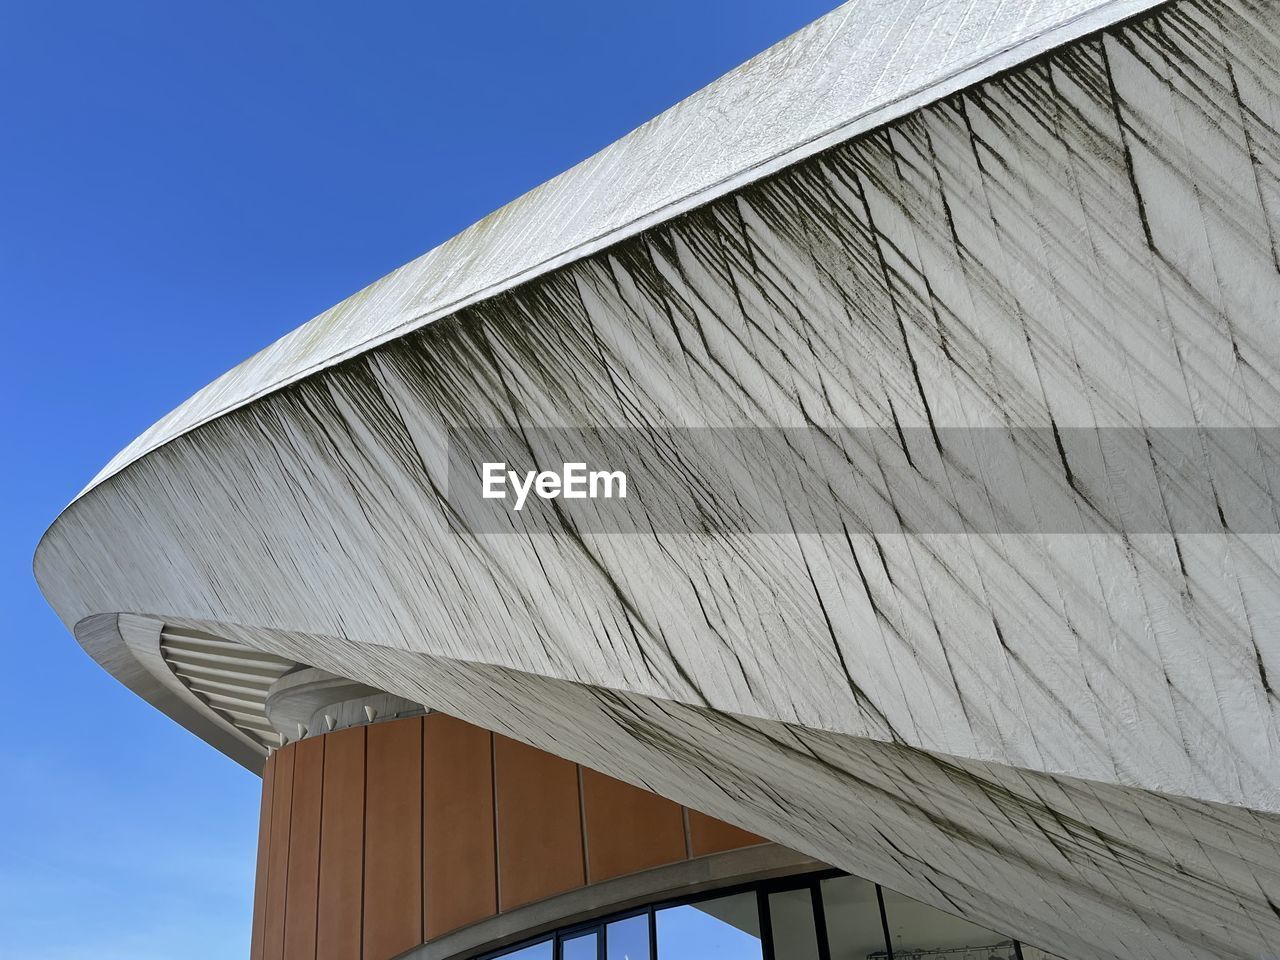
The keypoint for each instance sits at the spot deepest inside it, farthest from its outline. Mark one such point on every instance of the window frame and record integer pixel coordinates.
(811, 881)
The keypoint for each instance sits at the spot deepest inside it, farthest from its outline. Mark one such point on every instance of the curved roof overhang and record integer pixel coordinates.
(857, 68)
(861, 66)
(187, 529)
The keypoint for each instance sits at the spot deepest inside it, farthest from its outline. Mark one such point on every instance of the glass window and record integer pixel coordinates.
(536, 951)
(727, 928)
(919, 932)
(584, 946)
(791, 925)
(854, 930)
(628, 939)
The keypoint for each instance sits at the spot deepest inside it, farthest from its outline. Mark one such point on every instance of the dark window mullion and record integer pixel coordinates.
(820, 921)
(766, 925)
(884, 923)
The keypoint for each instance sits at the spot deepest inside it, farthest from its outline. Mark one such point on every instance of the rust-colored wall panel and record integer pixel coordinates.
(628, 829)
(393, 839)
(260, 873)
(278, 859)
(709, 835)
(377, 837)
(460, 873)
(338, 929)
(304, 851)
(539, 824)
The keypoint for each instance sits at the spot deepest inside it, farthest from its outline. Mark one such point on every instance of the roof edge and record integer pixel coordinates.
(787, 125)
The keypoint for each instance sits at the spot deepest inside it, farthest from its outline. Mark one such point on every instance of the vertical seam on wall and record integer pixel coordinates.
(364, 821)
(688, 834)
(422, 827)
(288, 848)
(422, 818)
(493, 793)
(258, 931)
(582, 825)
(315, 940)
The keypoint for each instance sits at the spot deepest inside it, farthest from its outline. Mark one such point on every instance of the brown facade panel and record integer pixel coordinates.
(304, 851)
(260, 873)
(539, 824)
(393, 839)
(375, 838)
(709, 835)
(338, 923)
(459, 868)
(278, 859)
(628, 829)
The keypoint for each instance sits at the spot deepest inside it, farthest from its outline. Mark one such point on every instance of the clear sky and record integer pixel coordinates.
(180, 184)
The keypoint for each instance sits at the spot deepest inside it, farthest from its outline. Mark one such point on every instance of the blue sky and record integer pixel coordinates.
(180, 184)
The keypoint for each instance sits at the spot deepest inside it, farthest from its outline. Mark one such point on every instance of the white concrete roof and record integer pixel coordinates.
(860, 66)
(1072, 739)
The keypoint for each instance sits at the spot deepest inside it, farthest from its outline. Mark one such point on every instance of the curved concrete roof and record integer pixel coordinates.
(1073, 741)
(860, 66)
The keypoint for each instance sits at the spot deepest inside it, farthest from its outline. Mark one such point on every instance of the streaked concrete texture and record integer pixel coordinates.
(1070, 738)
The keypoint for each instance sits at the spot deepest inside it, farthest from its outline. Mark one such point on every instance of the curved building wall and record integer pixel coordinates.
(377, 838)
